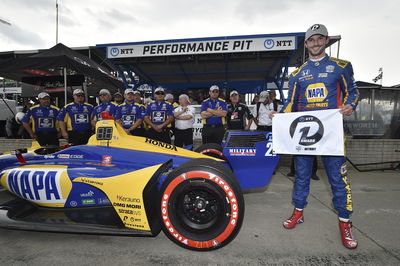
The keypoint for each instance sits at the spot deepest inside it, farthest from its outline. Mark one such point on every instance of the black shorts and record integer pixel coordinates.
(213, 133)
(162, 136)
(183, 137)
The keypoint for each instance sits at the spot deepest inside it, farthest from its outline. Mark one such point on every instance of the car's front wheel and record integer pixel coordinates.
(202, 206)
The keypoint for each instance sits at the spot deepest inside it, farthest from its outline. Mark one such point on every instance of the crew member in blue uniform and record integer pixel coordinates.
(213, 113)
(74, 119)
(140, 130)
(159, 115)
(106, 105)
(322, 83)
(44, 124)
(130, 114)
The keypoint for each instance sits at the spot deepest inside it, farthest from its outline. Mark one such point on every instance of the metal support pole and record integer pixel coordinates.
(56, 21)
(65, 85)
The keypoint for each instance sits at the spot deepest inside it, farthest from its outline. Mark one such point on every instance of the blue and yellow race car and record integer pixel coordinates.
(126, 185)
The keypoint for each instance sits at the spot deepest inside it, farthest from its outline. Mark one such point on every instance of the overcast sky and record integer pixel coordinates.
(369, 29)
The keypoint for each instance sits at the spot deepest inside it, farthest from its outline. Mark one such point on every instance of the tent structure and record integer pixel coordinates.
(57, 61)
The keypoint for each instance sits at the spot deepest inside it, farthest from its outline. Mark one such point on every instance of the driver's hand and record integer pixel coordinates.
(346, 109)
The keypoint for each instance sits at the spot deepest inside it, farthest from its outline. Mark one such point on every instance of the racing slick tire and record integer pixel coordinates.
(212, 150)
(202, 206)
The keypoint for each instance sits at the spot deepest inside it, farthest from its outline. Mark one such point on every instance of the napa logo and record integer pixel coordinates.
(38, 185)
(316, 92)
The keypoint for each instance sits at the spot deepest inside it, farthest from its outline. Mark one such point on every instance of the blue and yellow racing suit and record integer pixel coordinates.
(109, 107)
(76, 116)
(317, 85)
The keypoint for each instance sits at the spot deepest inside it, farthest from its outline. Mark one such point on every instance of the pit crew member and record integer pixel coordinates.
(129, 114)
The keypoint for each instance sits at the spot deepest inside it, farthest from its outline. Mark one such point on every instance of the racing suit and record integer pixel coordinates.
(324, 84)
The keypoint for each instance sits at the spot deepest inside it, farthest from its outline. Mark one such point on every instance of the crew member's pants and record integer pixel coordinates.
(79, 137)
(183, 137)
(47, 138)
(213, 133)
(335, 167)
(140, 132)
(160, 136)
(264, 128)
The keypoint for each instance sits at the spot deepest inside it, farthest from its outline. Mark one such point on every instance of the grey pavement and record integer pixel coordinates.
(262, 240)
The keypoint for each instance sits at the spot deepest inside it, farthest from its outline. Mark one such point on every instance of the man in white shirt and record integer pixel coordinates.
(184, 119)
(261, 112)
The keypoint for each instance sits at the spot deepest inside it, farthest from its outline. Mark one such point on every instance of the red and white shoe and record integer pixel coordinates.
(296, 218)
(347, 237)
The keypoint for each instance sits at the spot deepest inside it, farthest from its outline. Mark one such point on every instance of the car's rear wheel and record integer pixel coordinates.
(211, 149)
(202, 206)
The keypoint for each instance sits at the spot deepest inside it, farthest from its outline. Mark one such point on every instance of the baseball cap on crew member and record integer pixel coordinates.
(233, 92)
(214, 87)
(128, 91)
(78, 91)
(42, 95)
(169, 96)
(316, 29)
(117, 94)
(104, 91)
(136, 92)
(263, 96)
(161, 89)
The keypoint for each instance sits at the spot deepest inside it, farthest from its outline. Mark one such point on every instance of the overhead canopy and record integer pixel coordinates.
(50, 63)
(246, 63)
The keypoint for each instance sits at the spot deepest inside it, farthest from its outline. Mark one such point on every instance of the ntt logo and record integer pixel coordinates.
(114, 51)
(269, 43)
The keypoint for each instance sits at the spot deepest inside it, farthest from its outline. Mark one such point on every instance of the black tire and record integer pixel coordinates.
(202, 206)
(212, 150)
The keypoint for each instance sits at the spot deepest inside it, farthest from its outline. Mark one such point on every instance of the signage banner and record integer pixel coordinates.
(203, 47)
(308, 133)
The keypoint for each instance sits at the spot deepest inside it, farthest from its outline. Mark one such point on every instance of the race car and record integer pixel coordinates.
(126, 185)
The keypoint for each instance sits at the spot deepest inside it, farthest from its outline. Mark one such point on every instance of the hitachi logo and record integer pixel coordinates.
(161, 144)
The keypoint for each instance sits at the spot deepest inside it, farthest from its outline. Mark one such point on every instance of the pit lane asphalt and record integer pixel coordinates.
(262, 240)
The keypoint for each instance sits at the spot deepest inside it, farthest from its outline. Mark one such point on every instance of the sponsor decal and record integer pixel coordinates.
(127, 205)
(49, 156)
(88, 202)
(161, 144)
(87, 194)
(127, 199)
(70, 156)
(103, 201)
(242, 152)
(316, 92)
(90, 181)
(38, 185)
(73, 203)
(330, 69)
(300, 129)
(323, 75)
(106, 159)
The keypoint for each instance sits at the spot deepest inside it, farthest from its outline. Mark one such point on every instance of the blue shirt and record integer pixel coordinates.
(218, 104)
(43, 118)
(129, 113)
(76, 116)
(109, 107)
(324, 84)
(159, 112)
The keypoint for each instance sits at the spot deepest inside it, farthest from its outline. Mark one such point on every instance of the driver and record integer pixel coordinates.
(322, 82)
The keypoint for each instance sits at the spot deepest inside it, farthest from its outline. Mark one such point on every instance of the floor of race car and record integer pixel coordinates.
(262, 240)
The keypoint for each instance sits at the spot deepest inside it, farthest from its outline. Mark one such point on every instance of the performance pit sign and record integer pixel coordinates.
(203, 47)
(308, 133)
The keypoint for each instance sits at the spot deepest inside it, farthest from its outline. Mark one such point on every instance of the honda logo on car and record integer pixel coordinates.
(39, 185)
(242, 152)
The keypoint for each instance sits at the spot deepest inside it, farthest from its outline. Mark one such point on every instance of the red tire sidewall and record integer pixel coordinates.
(230, 194)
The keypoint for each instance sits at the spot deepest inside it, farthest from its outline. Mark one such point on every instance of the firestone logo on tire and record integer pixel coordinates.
(310, 129)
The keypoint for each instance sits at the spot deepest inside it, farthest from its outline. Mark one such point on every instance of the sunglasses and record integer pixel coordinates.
(159, 93)
(215, 91)
(103, 94)
(80, 95)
